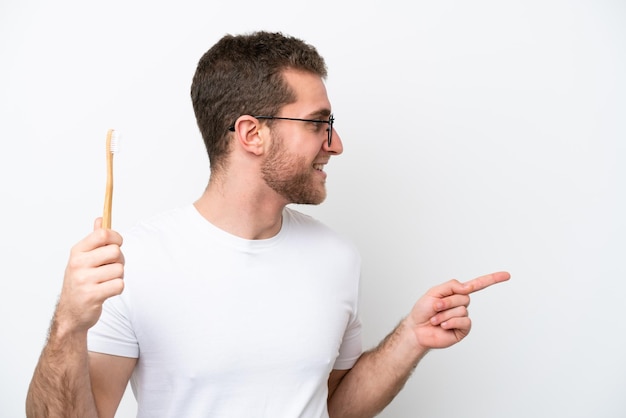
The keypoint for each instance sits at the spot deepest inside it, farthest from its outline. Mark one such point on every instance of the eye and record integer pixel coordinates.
(318, 125)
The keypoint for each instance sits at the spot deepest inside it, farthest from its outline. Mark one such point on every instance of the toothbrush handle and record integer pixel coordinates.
(108, 197)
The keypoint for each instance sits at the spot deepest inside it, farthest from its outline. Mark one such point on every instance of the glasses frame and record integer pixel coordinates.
(330, 121)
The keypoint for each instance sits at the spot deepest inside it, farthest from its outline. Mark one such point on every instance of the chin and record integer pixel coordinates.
(310, 199)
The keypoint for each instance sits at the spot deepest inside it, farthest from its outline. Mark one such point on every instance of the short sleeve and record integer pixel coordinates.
(113, 333)
(351, 345)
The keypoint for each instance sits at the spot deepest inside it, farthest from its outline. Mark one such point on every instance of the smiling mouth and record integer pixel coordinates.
(318, 167)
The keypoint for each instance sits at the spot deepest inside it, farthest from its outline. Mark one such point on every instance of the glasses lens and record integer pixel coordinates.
(331, 120)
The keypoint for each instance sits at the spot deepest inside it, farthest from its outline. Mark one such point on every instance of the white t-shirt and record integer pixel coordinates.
(227, 327)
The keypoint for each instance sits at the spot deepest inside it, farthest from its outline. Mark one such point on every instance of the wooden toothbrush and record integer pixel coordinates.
(112, 146)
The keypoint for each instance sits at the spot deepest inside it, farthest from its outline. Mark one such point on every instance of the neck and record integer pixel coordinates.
(244, 210)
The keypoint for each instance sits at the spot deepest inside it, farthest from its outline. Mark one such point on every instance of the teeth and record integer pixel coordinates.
(318, 167)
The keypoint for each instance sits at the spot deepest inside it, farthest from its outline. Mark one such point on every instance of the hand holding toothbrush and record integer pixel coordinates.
(94, 273)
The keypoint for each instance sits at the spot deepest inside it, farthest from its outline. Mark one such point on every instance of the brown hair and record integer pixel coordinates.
(243, 75)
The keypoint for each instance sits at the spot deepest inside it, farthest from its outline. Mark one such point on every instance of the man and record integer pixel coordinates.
(237, 306)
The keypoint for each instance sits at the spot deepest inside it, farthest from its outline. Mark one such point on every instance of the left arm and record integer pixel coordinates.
(439, 319)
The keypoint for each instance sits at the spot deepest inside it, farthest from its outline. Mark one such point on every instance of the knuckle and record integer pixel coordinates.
(72, 264)
(118, 270)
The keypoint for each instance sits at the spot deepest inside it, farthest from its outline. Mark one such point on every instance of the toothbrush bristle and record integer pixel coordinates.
(115, 142)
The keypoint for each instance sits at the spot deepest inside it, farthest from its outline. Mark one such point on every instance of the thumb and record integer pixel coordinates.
(97, 224)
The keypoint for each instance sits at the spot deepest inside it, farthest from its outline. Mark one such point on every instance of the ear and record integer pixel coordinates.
(248, 134)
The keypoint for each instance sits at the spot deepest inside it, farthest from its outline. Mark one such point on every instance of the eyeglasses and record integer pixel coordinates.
(330, 121)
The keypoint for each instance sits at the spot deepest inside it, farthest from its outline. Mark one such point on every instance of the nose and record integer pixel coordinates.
(336, 146)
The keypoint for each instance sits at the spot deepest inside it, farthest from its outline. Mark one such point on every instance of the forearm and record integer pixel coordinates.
(61, 386)
(378, 376)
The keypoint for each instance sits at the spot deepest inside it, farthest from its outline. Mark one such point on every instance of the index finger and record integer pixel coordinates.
(483, 282)
(98, 238)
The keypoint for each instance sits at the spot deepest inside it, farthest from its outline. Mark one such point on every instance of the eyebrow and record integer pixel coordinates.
(319, 114)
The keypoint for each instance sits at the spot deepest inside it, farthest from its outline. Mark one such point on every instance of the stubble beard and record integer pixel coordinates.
(291, 176)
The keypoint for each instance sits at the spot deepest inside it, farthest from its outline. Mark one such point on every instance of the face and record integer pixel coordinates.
(294, 165)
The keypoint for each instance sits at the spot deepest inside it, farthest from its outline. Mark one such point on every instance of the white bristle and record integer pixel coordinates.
(115, 142)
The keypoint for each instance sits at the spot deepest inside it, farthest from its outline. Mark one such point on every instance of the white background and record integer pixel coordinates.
(478, 135)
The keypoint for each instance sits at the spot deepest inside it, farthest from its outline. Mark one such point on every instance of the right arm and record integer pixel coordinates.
(62, 385)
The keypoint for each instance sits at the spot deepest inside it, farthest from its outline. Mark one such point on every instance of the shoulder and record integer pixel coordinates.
(162, 222)
(305, 227)
(296, 220)
(170, 226)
